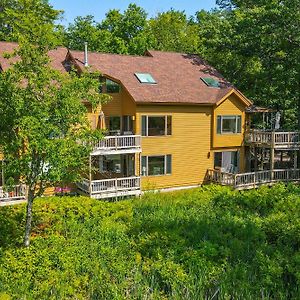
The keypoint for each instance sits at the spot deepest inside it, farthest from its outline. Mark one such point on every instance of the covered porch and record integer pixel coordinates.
(112, 176)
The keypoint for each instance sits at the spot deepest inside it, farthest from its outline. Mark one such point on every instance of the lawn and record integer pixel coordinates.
(207, 243)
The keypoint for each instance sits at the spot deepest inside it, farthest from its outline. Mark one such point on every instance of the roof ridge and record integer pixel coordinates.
(108, 53)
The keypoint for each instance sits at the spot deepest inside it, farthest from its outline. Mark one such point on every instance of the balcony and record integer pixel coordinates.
(273, 139)
(111, 188)
(118, 144)
(244, 181)
(16, 193)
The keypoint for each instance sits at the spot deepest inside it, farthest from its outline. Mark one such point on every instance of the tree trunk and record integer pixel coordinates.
(28, 218)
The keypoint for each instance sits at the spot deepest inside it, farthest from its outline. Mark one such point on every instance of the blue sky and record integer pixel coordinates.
(98, 8)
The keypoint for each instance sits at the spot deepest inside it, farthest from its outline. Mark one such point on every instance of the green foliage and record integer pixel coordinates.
(200, 244)
(256, 45)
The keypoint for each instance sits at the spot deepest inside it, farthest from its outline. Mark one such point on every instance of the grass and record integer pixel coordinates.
(208, 243)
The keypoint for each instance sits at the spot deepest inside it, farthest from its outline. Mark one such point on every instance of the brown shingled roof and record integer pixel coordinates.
(57, 56)
(178, 76)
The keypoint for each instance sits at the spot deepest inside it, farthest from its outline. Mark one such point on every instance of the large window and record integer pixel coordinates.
(156, 165)
(229, 124)
(156, 125)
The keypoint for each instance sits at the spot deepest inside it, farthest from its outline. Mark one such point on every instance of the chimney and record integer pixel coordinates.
(86, 63)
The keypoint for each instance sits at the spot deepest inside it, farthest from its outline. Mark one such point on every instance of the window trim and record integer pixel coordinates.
(238, 130)
(147, 125)
(165, 165)
(140, 77)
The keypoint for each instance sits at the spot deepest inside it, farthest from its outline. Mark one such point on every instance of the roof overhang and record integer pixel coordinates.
(238, 94)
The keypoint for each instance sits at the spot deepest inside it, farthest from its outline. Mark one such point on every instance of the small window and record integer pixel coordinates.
(211, 82)
(156, 165)
(145, 78)
(108, 86)
(229, 124)
(156, 125)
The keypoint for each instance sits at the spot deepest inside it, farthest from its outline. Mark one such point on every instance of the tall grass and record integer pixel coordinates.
(208, 243)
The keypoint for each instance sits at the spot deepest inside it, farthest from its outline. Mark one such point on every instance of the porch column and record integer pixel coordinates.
(255, 159)
(90, 175)
(295, 159)
(2, 172)
(272, 155)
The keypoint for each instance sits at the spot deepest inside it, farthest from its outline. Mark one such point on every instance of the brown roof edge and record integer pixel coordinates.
(174, 103)
(237, 93)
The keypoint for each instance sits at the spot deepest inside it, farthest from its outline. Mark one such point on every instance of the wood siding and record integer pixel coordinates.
(121, 104)
(189, 145)
(231, 106)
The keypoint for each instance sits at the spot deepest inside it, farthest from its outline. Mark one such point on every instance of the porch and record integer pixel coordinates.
(111, 176)
(273, 139)
(250, 180)
(111, 188)
(117, 144)
(15, 193)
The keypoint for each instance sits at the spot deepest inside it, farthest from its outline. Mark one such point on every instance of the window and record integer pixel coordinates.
(156, 165)
(145, 78)
(110, 163)
(115, 125)
(211, 82)
(228, 161)
(229, 124)
(156, 125)
(108, 86)
(127, 125)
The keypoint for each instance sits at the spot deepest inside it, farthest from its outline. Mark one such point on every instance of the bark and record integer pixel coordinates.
(28, 218)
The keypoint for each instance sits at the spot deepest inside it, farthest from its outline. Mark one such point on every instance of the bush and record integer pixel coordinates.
(201, 244)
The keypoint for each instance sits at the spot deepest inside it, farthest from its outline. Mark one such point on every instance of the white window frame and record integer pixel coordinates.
(236, 118)
(165, 164)
(147, 125)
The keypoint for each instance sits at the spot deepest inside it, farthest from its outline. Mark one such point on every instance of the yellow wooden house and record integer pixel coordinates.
(173, 122)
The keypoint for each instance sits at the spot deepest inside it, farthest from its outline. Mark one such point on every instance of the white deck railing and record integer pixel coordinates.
(15, 193)
(118, 142)
(115, 186)
(273, 138)
(253, 179)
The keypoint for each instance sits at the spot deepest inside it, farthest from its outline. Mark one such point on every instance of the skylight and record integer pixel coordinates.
(145, 78)
(211, 82)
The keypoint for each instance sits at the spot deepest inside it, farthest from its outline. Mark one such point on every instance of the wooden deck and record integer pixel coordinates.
(273, 139)
(117, 145)
(111, 188)
(243, 181)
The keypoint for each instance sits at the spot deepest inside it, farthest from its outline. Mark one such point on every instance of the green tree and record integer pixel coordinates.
(256, 45)
(41, 110)
(172, 31)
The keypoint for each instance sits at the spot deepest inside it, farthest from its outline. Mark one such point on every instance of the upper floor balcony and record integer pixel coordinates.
(273, 139)
(118, 144)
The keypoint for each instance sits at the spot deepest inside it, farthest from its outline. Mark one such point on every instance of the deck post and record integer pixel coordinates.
(255, 159)
(90, 175)
(2, 173)
(295, 159)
